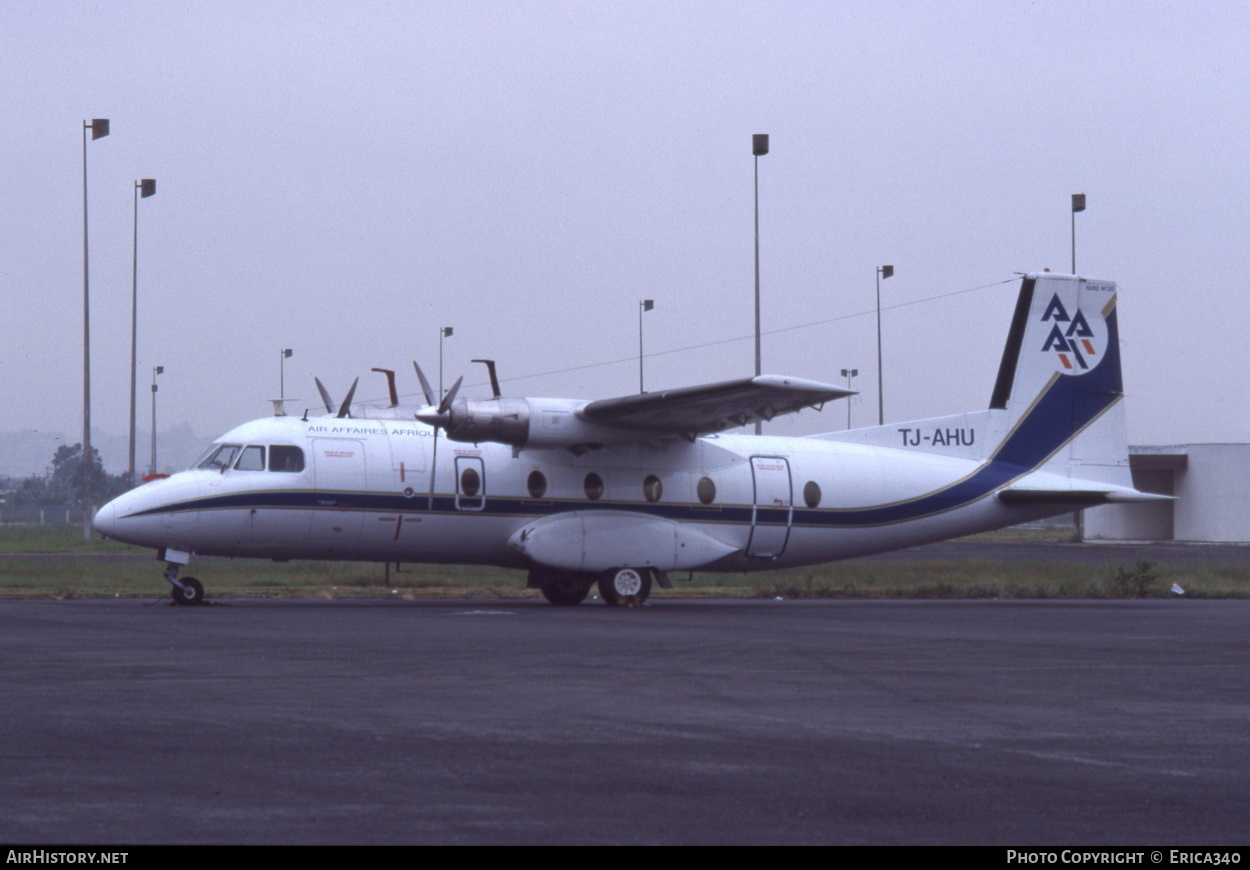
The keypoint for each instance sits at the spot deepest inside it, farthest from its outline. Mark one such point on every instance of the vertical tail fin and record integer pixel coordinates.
(1060, 380)
(1056, 403)
(1064, 325)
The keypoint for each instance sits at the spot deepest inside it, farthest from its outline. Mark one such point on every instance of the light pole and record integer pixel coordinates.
(848, 374)
(1078, 204)
(99, 128)
(156, 370)
(759, 147)
(445, 332)
(284, 355)
(644, 305)
(144, 188)
(882, 272)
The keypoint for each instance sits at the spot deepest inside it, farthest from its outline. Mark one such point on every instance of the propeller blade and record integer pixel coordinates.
(346, 407)
(425, 385)
(429, 506)
(325, 396)
(444, 405)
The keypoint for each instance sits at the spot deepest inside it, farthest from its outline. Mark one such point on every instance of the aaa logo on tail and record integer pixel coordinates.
(1077, 341)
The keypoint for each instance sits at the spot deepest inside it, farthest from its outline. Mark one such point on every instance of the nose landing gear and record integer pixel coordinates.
(186, 592)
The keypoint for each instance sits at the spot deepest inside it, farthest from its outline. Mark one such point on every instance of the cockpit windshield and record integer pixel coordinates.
(282, 457)
(220, 456)
(252, 459)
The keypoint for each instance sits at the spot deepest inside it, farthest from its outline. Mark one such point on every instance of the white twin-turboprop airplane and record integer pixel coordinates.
(621, 492)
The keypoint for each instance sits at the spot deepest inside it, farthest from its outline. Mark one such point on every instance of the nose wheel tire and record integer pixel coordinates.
(625, 587)
(191, 595)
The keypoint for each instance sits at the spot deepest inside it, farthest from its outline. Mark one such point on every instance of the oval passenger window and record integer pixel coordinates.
(706, 490)
(811, 494)
(594, 486)
(652, 488)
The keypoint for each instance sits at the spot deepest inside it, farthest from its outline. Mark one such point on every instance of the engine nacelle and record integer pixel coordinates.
(506, 421)
(534, 423)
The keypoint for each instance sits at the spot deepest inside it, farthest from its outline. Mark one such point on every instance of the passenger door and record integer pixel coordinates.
(771, 516)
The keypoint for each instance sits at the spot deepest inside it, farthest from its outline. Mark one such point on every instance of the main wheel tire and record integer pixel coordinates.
(566, 589)
(625, 587)
(193, 594)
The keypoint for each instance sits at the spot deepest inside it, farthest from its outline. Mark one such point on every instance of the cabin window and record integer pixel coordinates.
(811, 494)
(652, 488)
(706, 490)
(221, 458)
(594, 486)
(537, 484)
(283, 458)
(470, 482)
(252, 459)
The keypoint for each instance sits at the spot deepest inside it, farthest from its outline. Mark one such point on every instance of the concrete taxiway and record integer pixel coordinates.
(1005, 723)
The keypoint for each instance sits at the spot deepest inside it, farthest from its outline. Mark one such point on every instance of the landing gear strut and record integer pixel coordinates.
(188, 591)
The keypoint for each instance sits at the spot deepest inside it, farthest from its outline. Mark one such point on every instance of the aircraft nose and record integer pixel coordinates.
(105, 520)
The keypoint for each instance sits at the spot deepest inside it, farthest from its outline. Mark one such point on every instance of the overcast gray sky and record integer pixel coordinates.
(346, 178)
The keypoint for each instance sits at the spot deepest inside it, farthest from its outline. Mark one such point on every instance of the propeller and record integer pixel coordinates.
(441, 416)
(325, 396)
(345, 410)
(438, 418)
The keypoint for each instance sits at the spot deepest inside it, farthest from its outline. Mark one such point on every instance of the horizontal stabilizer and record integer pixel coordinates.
(1085, 497)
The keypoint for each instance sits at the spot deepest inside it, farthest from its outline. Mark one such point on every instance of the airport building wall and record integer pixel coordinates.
(1211, 483)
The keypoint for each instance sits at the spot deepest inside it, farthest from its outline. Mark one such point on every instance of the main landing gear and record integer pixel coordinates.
(619, 587)
(564, 588)
(625, 587)
(186, 592)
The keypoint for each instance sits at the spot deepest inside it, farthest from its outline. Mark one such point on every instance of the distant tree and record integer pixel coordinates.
(32, 491)
(64, 485)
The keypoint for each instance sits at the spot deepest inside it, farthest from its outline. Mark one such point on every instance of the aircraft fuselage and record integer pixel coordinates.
(364, 493)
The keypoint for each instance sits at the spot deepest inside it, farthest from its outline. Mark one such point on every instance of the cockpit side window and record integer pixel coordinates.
(221, 458)
(252, 459)
(284, 458)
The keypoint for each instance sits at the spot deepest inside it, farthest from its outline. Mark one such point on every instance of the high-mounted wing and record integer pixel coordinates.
(688, 412)
(702, 410)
